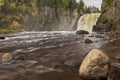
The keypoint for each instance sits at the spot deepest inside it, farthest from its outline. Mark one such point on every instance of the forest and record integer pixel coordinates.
(21, 15)
(18, 14)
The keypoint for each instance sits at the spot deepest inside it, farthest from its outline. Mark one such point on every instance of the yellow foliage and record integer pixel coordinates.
(23, 7)
(8, 17)
(33, 4)
(34, 13)
(12, 6)
(15, 24)
(1, 3)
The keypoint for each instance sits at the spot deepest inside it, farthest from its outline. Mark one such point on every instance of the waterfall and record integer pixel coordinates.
(87, 21)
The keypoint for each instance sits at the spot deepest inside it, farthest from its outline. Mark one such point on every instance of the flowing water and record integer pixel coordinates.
(58, 54)
(87, 21)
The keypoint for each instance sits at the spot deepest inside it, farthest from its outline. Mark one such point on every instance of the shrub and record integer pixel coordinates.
(15, 24)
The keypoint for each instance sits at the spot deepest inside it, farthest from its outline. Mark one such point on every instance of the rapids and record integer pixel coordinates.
(58, 54)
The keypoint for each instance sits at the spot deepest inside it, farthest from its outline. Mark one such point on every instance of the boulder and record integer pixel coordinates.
(82, 32)
(95, 65)
(1, 37)
(88, 41)
(114, 73)
(6, 58)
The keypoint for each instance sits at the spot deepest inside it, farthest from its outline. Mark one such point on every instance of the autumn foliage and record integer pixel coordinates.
(15, 25)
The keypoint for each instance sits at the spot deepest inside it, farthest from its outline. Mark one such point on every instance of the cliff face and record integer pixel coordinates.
(114, 11)
(110, 18)
(117, 8)
(51, 20)
(47, 19)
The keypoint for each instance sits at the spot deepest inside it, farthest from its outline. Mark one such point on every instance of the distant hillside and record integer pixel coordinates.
(41, 14)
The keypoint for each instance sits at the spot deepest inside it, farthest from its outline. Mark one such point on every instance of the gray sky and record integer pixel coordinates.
(90, 3)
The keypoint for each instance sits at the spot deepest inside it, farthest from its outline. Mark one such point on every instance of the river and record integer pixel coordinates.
(46, 55)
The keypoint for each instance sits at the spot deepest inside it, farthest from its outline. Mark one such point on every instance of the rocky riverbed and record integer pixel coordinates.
(55, 55)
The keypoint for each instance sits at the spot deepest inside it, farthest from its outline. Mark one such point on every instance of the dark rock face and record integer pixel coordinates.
(109, 19)
(1, 37)
(114, 73)
(82, 32)
(88, 41)
(102, 27)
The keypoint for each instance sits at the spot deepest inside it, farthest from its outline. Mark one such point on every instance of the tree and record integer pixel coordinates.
(106, 4)
(1, 3)
(80, 9)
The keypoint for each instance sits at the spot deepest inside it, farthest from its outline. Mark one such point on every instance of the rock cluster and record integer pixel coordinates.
(97, 65)
(82, 32)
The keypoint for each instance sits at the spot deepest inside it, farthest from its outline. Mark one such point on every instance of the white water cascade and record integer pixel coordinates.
(87, 21)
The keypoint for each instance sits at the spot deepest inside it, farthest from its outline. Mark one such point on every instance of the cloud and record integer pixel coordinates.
(91, 3)
(77, 1)
(95, 3)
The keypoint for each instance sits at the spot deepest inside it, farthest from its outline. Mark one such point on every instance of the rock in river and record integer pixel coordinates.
(114, 73)
(6, 57)
(82, 32)
(95, 65)
(1, 37)
(88, 41)
(99, 36)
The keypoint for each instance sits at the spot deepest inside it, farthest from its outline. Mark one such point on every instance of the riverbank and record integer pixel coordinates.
(7, 31)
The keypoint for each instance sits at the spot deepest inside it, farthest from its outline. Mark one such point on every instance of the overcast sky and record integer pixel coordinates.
(95, 3)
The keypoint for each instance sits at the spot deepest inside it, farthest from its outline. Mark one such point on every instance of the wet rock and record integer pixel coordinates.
(114, 73)
(19, 57)
(1, 37)
(80, 37)
(82, 32)
(6, 58)
(88, 41)
(91, 36)
(99, 36)
(95, 65)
